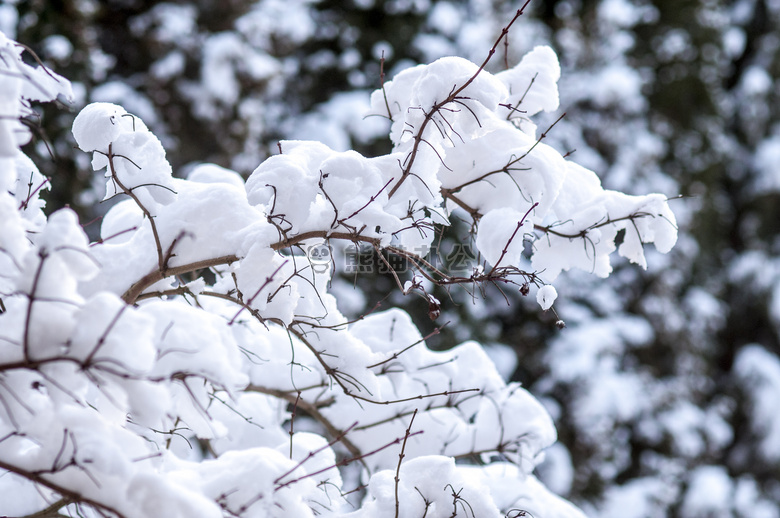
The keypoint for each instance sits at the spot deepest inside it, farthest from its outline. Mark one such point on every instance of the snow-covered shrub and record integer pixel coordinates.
(192, 362)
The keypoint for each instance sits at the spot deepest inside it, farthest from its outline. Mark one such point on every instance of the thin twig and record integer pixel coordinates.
(400, 460)
(454, 95)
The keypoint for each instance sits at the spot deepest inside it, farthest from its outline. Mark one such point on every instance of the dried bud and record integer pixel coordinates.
(434, 308)
(560, 324)
(525, 289)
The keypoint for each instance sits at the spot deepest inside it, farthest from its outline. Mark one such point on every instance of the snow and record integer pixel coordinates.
(445, 17)
(709, 492)
(338, 121)
(168, 67)
(434, 479)
(172, 22)
(766, 161)
(639, 498)
(747, 500)
(99, 124)
(58, 47)
(532, 496)
(287, 19)
(533, 83)
(220, 80)
(19, 83)
(619, 12)
(9, 17)
(503, 230)
(123, 355)
(546, 296)
(556, 471)
(756, 81)
(132, 101)
(759, 371)
(734, 41)
(19, 498)
(618, 85)
(263, 466)
(504, 359)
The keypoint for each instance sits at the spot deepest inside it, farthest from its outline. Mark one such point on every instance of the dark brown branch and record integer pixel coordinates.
(549, 229)
(132, 294)
(323, 234)
(52, 511)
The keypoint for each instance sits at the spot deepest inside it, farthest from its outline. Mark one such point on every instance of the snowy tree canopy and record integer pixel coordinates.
(192, 361)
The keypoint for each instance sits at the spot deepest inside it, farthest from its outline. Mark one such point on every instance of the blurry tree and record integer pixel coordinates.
(658, 409)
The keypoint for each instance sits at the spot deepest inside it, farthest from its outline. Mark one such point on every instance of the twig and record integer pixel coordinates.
(52, 511)
(132, 294)
(292, 420)
(382, 85)
(400, 460)
(42, 255)
(253, 297)
(315, 452)
(454, 95)
(114, 177)
(511, 238)
(313, 411)
(345, 462)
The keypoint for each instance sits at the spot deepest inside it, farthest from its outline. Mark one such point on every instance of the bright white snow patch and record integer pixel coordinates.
(546, 296)
(759, 370)
(500, 236)
(98, 125)
(709, 492)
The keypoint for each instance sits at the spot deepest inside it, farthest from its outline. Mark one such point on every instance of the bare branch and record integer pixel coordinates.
(400, 460)
(418, 137)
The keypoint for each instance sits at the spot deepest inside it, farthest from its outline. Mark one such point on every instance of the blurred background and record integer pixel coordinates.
(665, 384)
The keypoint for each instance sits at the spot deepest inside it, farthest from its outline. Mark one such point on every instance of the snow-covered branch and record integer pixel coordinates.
(160, 369)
